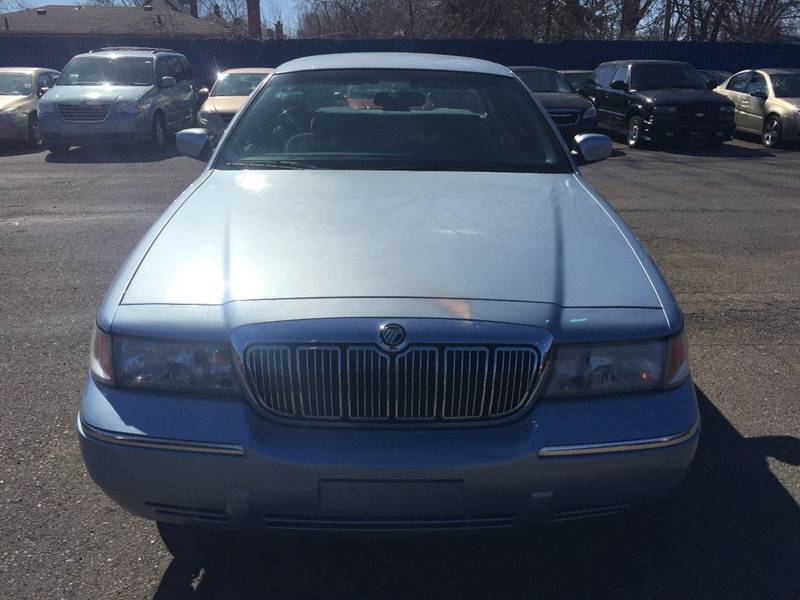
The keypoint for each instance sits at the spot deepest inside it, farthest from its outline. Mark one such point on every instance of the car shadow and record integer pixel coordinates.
(727, 150)
(18, 149)
(109, 154)
(732, 531)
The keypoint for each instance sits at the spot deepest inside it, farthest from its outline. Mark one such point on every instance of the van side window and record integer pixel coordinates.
(621, 74)
(177, 68)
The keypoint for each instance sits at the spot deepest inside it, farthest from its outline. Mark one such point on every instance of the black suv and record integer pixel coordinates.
(659, 100)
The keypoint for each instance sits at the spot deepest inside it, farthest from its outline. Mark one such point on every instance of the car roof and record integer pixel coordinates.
(26, 70)
(531, 68)
(576, 71)
(643, 61)
(773, 71)
(129, 51)
(265, 70)
(394, 60)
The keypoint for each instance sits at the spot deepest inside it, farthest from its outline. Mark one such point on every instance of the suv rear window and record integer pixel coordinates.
(394, 119)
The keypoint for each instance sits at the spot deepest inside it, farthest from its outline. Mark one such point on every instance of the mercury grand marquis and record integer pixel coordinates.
(389, 303)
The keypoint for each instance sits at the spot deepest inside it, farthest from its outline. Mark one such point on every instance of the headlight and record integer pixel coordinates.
(619, 368)
(726, 108)
(590, 113)
(204, 367)
(131, 108)
(665, 109)
(46, 107)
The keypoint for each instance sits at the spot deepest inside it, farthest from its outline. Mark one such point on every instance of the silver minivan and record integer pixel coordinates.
(119, 95)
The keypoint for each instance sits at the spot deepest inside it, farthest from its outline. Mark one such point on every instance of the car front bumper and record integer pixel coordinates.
(116, 127)
(665, 129)
(215, 462)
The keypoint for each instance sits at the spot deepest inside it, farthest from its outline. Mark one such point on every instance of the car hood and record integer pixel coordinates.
(224, 104)
(10, 102)
(255, 235)
(682, 96)
(554, 100)
(100, 93)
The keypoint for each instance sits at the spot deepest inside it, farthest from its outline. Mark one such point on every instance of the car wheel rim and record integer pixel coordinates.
(771, 132)
(633, 134)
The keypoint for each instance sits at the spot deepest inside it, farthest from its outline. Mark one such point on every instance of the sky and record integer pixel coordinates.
(270, 9)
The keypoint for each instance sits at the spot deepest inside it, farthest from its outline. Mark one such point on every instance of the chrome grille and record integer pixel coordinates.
(564, 117)
(363, 383)
(85, 113)
(319, 375)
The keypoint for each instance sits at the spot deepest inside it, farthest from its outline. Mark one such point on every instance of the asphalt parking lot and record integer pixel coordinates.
(725, 229)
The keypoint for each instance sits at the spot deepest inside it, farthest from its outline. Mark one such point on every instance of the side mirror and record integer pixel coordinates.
(203, 91)
(42, 91)
(593, 146)
(619, 85)
(167, 82)
(759, 95)
(194, 142)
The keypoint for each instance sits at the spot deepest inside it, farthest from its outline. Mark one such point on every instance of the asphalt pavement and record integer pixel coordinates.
(724, 227)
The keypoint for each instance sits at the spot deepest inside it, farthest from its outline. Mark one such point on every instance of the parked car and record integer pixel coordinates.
(227, 96)
(571, 112)
(713, 78)
(20, 90)
(577, 79)
(767, 103)
(387, 319)
(124, 94)
(658, 101)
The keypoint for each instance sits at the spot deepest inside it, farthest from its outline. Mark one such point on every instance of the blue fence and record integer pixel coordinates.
(209, 56)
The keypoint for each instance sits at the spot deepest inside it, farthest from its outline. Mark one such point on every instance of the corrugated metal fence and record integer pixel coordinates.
(208, 56)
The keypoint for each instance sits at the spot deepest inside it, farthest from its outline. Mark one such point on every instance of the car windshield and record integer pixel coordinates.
(545, 81)
(786, 86)
(578, 78)
(393, 119)
(15, 84)
(665, 75)
(237, 84)
(108, 70)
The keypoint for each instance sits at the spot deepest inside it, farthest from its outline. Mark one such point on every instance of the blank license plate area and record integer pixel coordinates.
(358, 497)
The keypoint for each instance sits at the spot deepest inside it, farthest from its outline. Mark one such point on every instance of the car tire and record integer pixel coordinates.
(772, 132)
(35, 139)
(192, 543)
(158, 133)
(58, 149)
(635, 128)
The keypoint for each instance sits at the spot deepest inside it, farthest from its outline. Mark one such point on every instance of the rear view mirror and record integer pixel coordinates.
(593, 146)
(194, 142)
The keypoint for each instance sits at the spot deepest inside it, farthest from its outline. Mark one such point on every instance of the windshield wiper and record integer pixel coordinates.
(270, 164)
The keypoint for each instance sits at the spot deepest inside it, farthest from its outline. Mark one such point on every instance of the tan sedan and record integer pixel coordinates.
(227, 96)
(767, 103)
(20, 90)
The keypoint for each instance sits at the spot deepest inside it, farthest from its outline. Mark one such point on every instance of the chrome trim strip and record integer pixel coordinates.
(143, 441)
(629, 446)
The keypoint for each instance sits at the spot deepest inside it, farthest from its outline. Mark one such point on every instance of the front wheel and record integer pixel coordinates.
(158, 135)
(772, 133)
(35, 139)
(635, 131)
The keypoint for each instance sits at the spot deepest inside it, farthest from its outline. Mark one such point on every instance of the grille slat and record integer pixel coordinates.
(85, 113)
(420, 384)
(565, 117)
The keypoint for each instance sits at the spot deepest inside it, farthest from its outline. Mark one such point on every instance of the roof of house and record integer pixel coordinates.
(109, 20)
(393, 60)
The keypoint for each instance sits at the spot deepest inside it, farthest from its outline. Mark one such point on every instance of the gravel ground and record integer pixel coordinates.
(724, 228)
